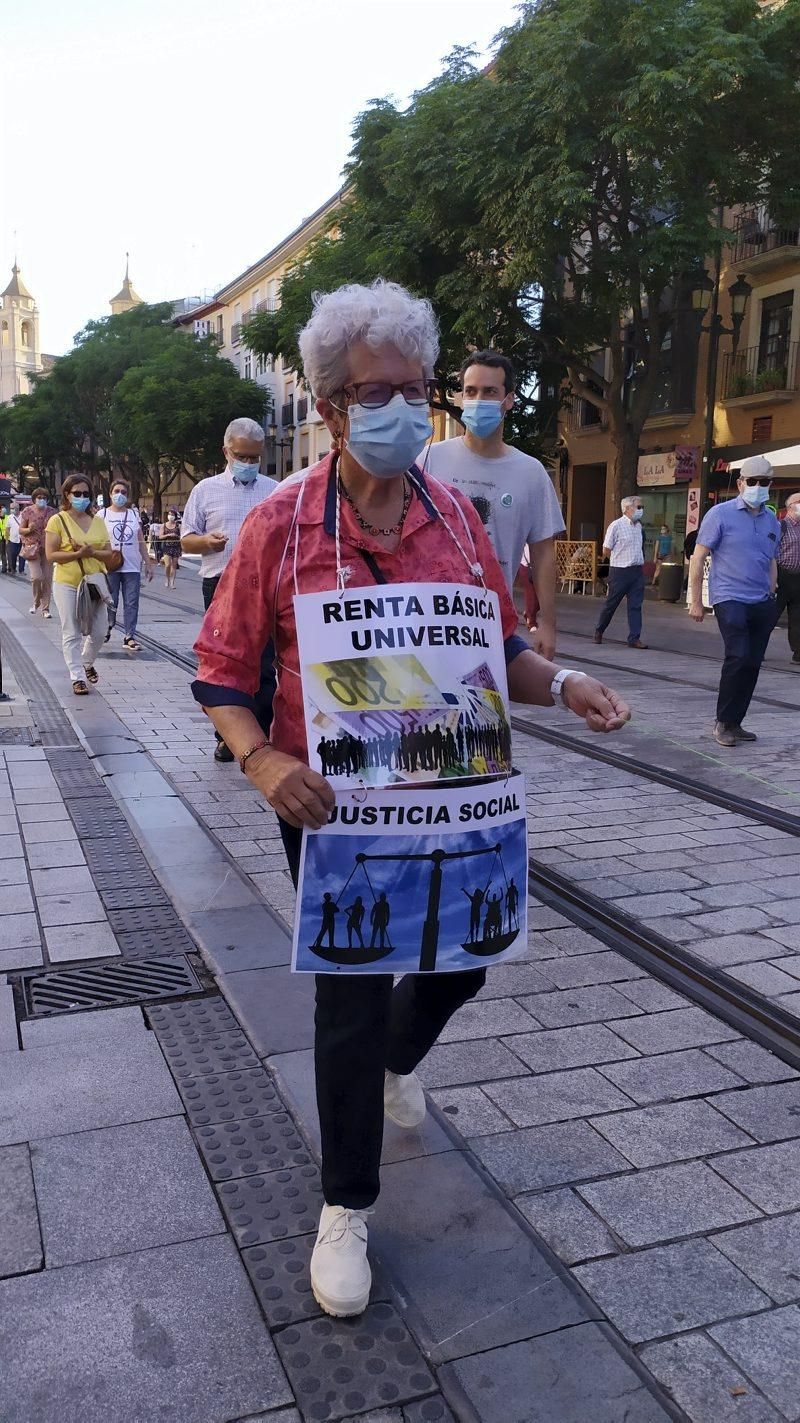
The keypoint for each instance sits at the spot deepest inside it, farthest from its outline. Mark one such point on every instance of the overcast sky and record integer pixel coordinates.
(194, 133)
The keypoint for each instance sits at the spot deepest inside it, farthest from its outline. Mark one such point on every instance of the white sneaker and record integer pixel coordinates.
(47, 613)
(404, 1100)
(340, 1275)
(33, 610)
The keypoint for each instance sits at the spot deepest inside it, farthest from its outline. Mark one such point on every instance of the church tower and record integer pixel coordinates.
(20, 357)
(126, 296)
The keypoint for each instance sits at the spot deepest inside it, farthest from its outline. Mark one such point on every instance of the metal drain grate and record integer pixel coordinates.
(108, 985)
(16, 736)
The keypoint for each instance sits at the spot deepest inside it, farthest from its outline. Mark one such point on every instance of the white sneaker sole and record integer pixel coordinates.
(403, 1121)
(340, 1309)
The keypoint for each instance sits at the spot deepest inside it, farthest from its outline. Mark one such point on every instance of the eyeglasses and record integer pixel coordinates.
(375, 393)
(764, 480)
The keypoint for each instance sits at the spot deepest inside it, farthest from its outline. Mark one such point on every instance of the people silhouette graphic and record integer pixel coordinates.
(379, 919)
(329, 910)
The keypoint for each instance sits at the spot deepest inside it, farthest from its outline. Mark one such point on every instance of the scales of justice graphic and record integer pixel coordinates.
(500, 927)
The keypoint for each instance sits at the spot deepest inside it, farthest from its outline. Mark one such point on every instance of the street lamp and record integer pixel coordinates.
(705, 298)
(282, 445)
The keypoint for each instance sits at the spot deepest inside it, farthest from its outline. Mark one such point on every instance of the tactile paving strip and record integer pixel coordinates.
(173, 940)
(428, 1410)
(251, 1147)
(141, 921)
(280, 1276)
(204, 1015)
(122, 875)
(93, 818)
(224, 1053)
(273, 1207)
(338, 1366)
(229, 1097)
(138, 896)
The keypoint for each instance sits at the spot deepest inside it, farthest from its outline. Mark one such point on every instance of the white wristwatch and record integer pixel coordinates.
(557, 684)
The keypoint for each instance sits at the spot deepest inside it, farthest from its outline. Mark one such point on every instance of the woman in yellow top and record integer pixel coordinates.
(76, 543)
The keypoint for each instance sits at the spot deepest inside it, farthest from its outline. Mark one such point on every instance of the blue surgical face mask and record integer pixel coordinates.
(482, 417)
(385, 442)
(638, 515)
(119, 499)
(80, 502)
(245, 473)
(41, 503)
(755, 495)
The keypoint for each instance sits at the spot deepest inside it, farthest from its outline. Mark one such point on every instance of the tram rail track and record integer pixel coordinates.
(745, 1010)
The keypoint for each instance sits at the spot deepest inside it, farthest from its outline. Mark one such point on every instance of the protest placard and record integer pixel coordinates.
(415, 881)
(405, 683)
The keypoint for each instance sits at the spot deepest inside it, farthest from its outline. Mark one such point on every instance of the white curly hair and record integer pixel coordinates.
(382, 314)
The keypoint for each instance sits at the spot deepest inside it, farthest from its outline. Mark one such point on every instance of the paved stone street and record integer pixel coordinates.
(600, 1218)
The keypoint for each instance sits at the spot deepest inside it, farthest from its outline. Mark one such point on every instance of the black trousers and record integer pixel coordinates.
(266, 688)
(746, 629)
(364, 1026)
(789, 597)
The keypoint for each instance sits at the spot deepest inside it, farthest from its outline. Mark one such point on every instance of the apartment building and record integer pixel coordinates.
(755, 393)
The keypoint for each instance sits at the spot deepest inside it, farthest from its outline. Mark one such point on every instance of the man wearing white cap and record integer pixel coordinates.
(743, 538)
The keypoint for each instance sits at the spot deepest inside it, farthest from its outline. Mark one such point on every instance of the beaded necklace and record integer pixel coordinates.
(371, 528)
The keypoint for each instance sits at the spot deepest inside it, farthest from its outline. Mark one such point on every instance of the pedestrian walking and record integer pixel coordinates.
(364, 514)
(170, 548)
(14, 542)
(77, 544)
(215, 511)
(511, 491)
(32, 524)
(125, 535)
(742, 537)
(789, 572)
(3, 541)
(663, 550)
(623, 545)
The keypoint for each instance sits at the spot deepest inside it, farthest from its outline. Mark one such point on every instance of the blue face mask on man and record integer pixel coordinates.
(242, 472)
(482, 417)
(755, 495)
(386, 441)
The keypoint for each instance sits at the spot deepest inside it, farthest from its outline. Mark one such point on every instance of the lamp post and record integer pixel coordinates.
(272, 431)
(705, 298)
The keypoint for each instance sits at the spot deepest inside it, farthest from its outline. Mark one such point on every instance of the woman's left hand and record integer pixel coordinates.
(601, 708)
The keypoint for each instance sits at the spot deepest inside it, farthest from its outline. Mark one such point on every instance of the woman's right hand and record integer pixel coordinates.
(295, 792)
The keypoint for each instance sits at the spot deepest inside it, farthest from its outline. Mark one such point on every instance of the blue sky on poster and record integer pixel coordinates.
(196, 135)
(329, 861)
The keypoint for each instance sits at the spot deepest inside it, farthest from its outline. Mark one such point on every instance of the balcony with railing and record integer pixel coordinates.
(236, 333)
(581, 417)
(287, 413)
(302, 409)
(759, 243)
(752, 377)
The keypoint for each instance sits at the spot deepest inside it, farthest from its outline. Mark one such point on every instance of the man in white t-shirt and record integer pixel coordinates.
(511, 491)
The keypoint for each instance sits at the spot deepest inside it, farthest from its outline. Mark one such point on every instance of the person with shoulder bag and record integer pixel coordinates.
(125, 532)
(77, 544)
(32, 523)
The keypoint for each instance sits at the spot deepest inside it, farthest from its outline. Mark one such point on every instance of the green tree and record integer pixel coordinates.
(554, 204)
(172, 410)
(404, 217)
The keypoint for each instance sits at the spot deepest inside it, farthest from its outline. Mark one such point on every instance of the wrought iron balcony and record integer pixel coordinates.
(758, 242)
(287, 413)
(580, 416)
(302, 409)
(754, 378)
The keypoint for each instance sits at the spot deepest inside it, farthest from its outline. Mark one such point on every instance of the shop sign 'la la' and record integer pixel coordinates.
(404, 684)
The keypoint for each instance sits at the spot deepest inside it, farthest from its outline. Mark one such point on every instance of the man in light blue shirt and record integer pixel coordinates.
(742, 537)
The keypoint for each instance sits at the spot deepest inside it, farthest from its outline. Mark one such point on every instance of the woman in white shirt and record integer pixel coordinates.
(125, 534)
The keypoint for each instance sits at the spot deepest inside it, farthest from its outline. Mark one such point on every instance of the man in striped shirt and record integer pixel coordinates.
(624, 545)
(789, 571)
(215, 511)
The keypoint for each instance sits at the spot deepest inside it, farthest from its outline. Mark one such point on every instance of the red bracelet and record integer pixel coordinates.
(259, 746)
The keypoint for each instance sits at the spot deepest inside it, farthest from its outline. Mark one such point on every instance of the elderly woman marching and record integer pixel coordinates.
(364, 514)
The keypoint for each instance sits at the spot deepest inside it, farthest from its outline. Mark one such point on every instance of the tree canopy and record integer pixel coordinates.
(135, 395)
(554, 204)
